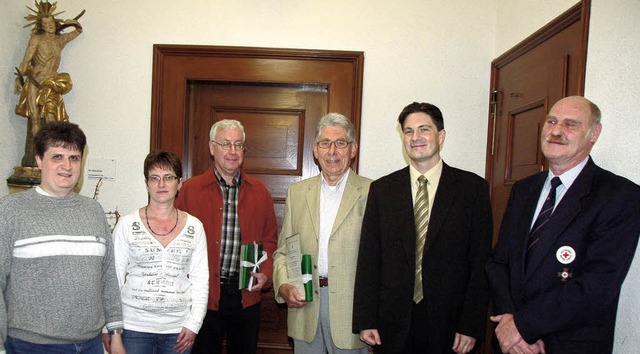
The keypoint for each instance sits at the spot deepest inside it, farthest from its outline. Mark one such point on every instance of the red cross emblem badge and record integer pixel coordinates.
(566, 254)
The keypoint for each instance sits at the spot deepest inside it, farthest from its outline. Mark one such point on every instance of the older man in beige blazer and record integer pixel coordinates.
(326, 211)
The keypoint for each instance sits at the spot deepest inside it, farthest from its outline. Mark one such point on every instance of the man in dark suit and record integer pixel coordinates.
(556, 282)
(423, 291)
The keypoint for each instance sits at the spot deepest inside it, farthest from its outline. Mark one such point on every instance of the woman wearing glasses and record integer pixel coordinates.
(161, 261)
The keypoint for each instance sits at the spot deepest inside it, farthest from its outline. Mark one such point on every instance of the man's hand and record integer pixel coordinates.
(523, 347)
(185, 340)
(106, 341)
(116, 345)
(463, 344)
(292, 296)
(540, 345)
(370, 337)
(510, 339)
(262, 282)
(506, 331)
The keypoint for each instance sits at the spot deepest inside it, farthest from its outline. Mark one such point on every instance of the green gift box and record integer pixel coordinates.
(252, 256)
(307, 277)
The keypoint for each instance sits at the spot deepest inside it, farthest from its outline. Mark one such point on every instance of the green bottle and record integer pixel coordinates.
(307, 277)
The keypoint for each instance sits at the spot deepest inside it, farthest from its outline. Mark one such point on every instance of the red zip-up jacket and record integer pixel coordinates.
(201, 197)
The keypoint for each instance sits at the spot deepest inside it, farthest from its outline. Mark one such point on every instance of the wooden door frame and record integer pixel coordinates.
(175, 65)
(579, 12)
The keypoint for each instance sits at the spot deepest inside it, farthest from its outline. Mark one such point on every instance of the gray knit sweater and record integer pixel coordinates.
(57, 271)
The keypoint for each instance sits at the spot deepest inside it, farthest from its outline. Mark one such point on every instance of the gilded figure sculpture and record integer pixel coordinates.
(38, 82)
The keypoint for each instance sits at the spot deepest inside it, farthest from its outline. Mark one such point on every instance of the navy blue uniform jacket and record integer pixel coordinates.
(599, 218)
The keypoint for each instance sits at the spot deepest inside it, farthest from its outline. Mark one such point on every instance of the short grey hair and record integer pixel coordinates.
(224, 125)
(336, 120)
(596, 115)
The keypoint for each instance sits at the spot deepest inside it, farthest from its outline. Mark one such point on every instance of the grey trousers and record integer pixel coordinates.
(322, 342)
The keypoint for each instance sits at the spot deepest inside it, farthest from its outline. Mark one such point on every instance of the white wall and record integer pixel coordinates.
(415, 50)
(517, 19)
(613, 81)
(435, 51)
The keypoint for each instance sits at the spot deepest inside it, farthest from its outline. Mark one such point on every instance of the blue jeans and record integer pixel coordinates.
(150, 343)
(17, 346)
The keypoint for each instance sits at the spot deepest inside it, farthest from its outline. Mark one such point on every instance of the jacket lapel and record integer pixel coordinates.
(400, 197)
(313, 202)
(350, 196)
(524, 226)
(564, 214)
(445, 196)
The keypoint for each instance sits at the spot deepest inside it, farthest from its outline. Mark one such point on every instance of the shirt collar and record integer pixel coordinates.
(338, 185)
(42, 191)
(433, 175)
(223, 182)
(569, 176)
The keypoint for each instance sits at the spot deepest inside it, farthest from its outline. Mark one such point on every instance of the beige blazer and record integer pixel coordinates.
(301, 216)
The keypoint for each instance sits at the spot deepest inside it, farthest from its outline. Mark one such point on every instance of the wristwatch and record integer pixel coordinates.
(116, 331)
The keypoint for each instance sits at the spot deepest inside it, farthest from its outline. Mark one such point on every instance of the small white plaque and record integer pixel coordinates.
(101, 168)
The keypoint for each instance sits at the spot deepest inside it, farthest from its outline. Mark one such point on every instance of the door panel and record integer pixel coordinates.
(279, 123)
(523, 131)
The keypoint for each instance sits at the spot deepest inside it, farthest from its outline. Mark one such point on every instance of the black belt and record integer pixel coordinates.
(235, 280)
(323, 281)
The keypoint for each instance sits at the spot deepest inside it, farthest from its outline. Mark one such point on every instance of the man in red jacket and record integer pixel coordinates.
(235, 209)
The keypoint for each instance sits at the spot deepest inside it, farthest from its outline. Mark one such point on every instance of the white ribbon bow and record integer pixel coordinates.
(256, 266)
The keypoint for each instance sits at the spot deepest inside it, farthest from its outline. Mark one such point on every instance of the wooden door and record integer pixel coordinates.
(279, 96)
(525, 82)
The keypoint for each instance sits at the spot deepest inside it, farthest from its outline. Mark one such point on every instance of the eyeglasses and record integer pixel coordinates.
(227, 145)
(165, 178)
(326, 144)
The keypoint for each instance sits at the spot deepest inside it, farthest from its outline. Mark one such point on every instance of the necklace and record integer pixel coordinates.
(146, 216)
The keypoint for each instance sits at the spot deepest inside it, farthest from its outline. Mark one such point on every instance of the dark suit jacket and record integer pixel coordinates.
(457, 247)
(599, 218)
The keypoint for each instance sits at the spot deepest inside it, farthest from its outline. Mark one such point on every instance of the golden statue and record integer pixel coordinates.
(38, 82)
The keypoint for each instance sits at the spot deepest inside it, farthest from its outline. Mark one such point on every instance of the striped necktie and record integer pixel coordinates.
(545, 214)
(421, 214)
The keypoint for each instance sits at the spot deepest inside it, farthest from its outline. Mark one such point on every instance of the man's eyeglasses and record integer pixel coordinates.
(326, 144)
(227, 145)
(166, 178)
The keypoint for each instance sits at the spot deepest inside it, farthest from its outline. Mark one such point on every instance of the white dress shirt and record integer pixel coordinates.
(330, 197)
(567, 180)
